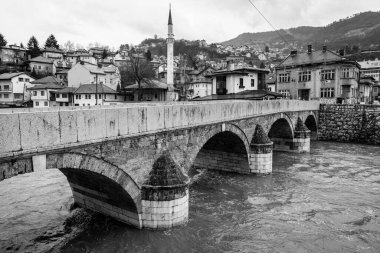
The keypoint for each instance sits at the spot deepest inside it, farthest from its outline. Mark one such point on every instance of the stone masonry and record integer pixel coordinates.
(350, 123)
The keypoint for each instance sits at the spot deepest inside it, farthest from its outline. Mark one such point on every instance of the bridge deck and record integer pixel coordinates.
(31, 130)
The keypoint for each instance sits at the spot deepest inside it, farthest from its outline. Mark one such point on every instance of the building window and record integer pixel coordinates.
(6, 87)
(42, 93)
(64, 95)
(39, 67)
(1, 95)
(46, 103)
(17, 96)
(327, 92)
(37, 103)
(252, 82)
(345, 73)
(284, 78)
(304, 76)
(26, 79)
(285, 92)
(6, 95)
(20, 79)
(241, 83)
(34, 93)
(116, 96)
(328, 74)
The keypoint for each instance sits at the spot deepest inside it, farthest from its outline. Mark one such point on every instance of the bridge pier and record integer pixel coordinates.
(165, 195)
(301, 140)
(260, 158)
(300, 143)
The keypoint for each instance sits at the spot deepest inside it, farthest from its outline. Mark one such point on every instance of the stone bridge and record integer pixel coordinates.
(131, 162)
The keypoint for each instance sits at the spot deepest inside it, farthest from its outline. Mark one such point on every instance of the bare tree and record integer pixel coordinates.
(69, 46)
(139, 70)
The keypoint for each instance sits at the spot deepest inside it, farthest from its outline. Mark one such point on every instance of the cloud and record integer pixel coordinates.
(114, 22)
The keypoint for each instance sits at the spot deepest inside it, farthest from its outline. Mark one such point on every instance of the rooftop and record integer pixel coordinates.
(41, 59)
(315, 57)
(8, 76)
(150, 84)
(246, 95)
(240, 71)
(47, 79)
(46, 86)
(93, 89)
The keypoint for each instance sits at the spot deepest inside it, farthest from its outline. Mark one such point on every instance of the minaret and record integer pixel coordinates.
(170, 44)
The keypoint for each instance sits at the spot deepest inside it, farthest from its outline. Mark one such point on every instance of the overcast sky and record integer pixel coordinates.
(113, 22)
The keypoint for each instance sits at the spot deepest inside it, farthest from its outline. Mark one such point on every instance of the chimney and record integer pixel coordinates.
(341, 52)
(293, 53)
(324, 48)
(230, 65)
(309, 49)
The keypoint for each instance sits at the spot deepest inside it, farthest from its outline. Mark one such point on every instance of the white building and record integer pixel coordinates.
(232, 81)
(43, 91)
(86, 73)
(92, 94)
(13, 88)
(370, 68)
(53, 53)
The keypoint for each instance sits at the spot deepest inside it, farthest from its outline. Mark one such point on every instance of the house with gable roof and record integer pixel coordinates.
(43, 91)
(42, 65)
(13, 88)
(320, 74)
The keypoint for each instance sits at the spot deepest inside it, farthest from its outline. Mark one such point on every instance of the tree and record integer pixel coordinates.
(51, 42)
(105, 54)
(191, 53)
(3, 41)
(33, 48)
(148, 56)
(139, 70)
(69, 46)
(266, 49)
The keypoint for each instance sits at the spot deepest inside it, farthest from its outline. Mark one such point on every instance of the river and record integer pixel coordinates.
(325, 201)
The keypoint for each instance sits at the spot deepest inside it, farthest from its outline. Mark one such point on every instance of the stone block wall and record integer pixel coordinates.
(349, 123)
(261, 163)
(165, 214)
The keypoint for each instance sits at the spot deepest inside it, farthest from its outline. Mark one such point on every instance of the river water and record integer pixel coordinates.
(325, 201)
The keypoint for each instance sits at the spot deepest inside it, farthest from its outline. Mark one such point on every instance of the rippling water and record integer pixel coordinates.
(325, 201)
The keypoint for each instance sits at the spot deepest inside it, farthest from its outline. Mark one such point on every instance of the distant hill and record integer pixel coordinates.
(361, 29)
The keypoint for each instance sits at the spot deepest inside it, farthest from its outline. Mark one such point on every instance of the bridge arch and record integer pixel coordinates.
(311, 124)
(100, 186)
(282, 127)
(225, 148)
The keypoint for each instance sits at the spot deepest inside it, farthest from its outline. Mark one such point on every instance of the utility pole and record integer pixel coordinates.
(96, 89)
